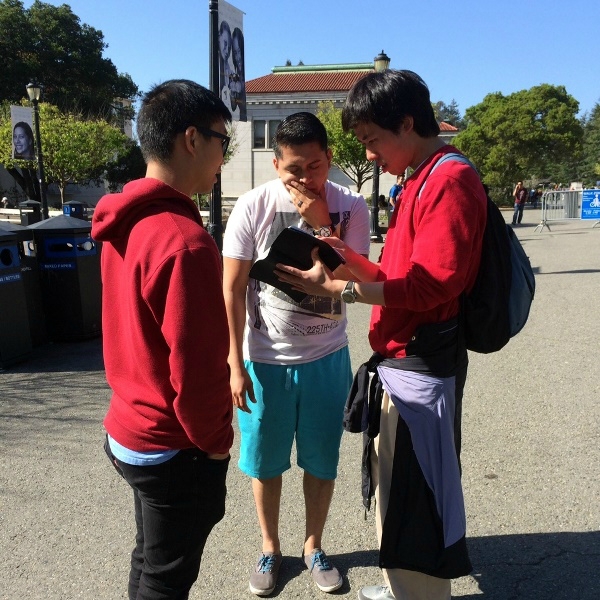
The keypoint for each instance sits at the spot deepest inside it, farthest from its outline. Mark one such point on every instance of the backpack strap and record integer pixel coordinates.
(455, 156)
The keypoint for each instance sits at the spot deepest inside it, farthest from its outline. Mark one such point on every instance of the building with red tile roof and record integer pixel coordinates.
(271, 98)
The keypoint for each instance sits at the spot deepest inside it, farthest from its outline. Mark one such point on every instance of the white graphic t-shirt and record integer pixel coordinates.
(278, 329)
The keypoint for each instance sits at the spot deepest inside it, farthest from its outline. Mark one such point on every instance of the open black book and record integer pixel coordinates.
(293, 247)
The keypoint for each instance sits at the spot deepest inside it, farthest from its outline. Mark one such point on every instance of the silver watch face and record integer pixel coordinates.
(324, 231)
(348, 295)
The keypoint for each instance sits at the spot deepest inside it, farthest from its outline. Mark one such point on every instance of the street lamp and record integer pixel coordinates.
(381, 63)
(33, 91)
(215, 214)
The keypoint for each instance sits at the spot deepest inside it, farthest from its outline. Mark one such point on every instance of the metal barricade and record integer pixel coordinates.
(560, 205)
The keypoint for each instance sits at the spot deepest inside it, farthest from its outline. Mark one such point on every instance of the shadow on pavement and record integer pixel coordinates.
(544, 566)
(53, 394)
(62, 356)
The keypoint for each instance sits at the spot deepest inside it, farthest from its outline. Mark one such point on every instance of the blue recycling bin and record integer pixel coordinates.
(69, 264)
(75, 209)
(31, 281)
(15, 339)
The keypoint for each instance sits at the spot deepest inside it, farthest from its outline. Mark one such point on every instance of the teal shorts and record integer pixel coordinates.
(305, 402)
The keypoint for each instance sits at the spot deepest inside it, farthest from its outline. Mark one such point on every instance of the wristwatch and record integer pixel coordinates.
(348, 293)
(325, 231)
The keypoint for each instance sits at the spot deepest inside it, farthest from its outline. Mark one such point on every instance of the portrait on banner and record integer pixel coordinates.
(232, 80)
(23, 147)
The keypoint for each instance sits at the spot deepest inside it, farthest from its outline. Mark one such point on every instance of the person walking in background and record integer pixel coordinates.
(165, 339)
(290, 365)
(395, 190)
(520, 196)
(430, 258)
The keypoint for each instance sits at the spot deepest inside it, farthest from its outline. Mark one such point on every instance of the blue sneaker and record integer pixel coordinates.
(325, 575)
(264, 577)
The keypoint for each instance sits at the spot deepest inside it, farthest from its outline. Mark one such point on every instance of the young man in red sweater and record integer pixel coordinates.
(431, 256)
(166, 339)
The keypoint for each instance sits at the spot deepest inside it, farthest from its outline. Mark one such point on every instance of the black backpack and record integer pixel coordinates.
(498, 306)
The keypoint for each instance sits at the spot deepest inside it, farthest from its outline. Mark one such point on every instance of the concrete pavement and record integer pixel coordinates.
(531, 465)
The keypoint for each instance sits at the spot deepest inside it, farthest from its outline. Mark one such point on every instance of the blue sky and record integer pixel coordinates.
(463, 49)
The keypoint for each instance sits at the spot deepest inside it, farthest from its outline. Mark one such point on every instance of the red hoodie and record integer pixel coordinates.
(431, 253)
(165, 333)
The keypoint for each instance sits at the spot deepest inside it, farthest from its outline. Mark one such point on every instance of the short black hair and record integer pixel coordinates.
(299, 128)
(386, 98)
(171, 107)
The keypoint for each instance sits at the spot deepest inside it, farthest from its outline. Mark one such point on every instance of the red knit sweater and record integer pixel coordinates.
(165, 331)
(432, 252)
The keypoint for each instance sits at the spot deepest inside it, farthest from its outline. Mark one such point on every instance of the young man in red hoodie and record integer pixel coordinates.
(431, 257)
(166, 339)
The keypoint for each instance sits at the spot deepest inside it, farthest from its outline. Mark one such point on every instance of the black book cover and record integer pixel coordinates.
(293, 247)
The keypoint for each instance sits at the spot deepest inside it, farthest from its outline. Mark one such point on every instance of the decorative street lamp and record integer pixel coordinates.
(381, 63)
(33, 91)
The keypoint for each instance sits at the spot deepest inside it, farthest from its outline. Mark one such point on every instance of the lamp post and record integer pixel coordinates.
(215, 216)
(33, 91)
(381, 63)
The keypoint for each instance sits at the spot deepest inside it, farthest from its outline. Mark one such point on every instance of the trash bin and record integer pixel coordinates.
(15, 339)
(75, 209)
(31, 281)
(31, 212)
(69, 263)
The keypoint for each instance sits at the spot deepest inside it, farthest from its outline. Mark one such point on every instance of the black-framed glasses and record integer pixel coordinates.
(225, 139)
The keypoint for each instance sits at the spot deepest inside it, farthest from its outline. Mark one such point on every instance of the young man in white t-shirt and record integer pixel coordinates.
(290, 359)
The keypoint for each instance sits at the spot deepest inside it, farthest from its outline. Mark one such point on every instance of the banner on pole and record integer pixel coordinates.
(232, 79)
(21, 118)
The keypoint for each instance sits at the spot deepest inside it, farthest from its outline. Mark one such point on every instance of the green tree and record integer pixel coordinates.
(448, 112)
(530, 134)
(590, 163)
(348, 153)
(74, 150)
(126, 167)
(50, 44)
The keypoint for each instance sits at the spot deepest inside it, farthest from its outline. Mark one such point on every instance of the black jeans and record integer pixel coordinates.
(177, 503)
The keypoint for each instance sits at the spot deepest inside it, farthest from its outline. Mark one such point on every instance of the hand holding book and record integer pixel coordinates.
(293, 247)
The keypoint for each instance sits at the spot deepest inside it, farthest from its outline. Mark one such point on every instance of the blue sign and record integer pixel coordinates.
(10, 278)
(590, 204)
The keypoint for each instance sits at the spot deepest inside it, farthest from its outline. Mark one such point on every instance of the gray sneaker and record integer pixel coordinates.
(264, 577)
(326, 576)
(375, 592)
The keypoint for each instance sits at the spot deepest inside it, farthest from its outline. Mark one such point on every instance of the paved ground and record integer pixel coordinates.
(531, 464)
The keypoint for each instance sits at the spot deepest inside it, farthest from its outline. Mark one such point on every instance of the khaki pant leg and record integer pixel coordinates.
(405, 584)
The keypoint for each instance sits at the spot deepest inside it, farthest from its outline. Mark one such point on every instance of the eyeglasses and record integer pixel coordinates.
(225, 139)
